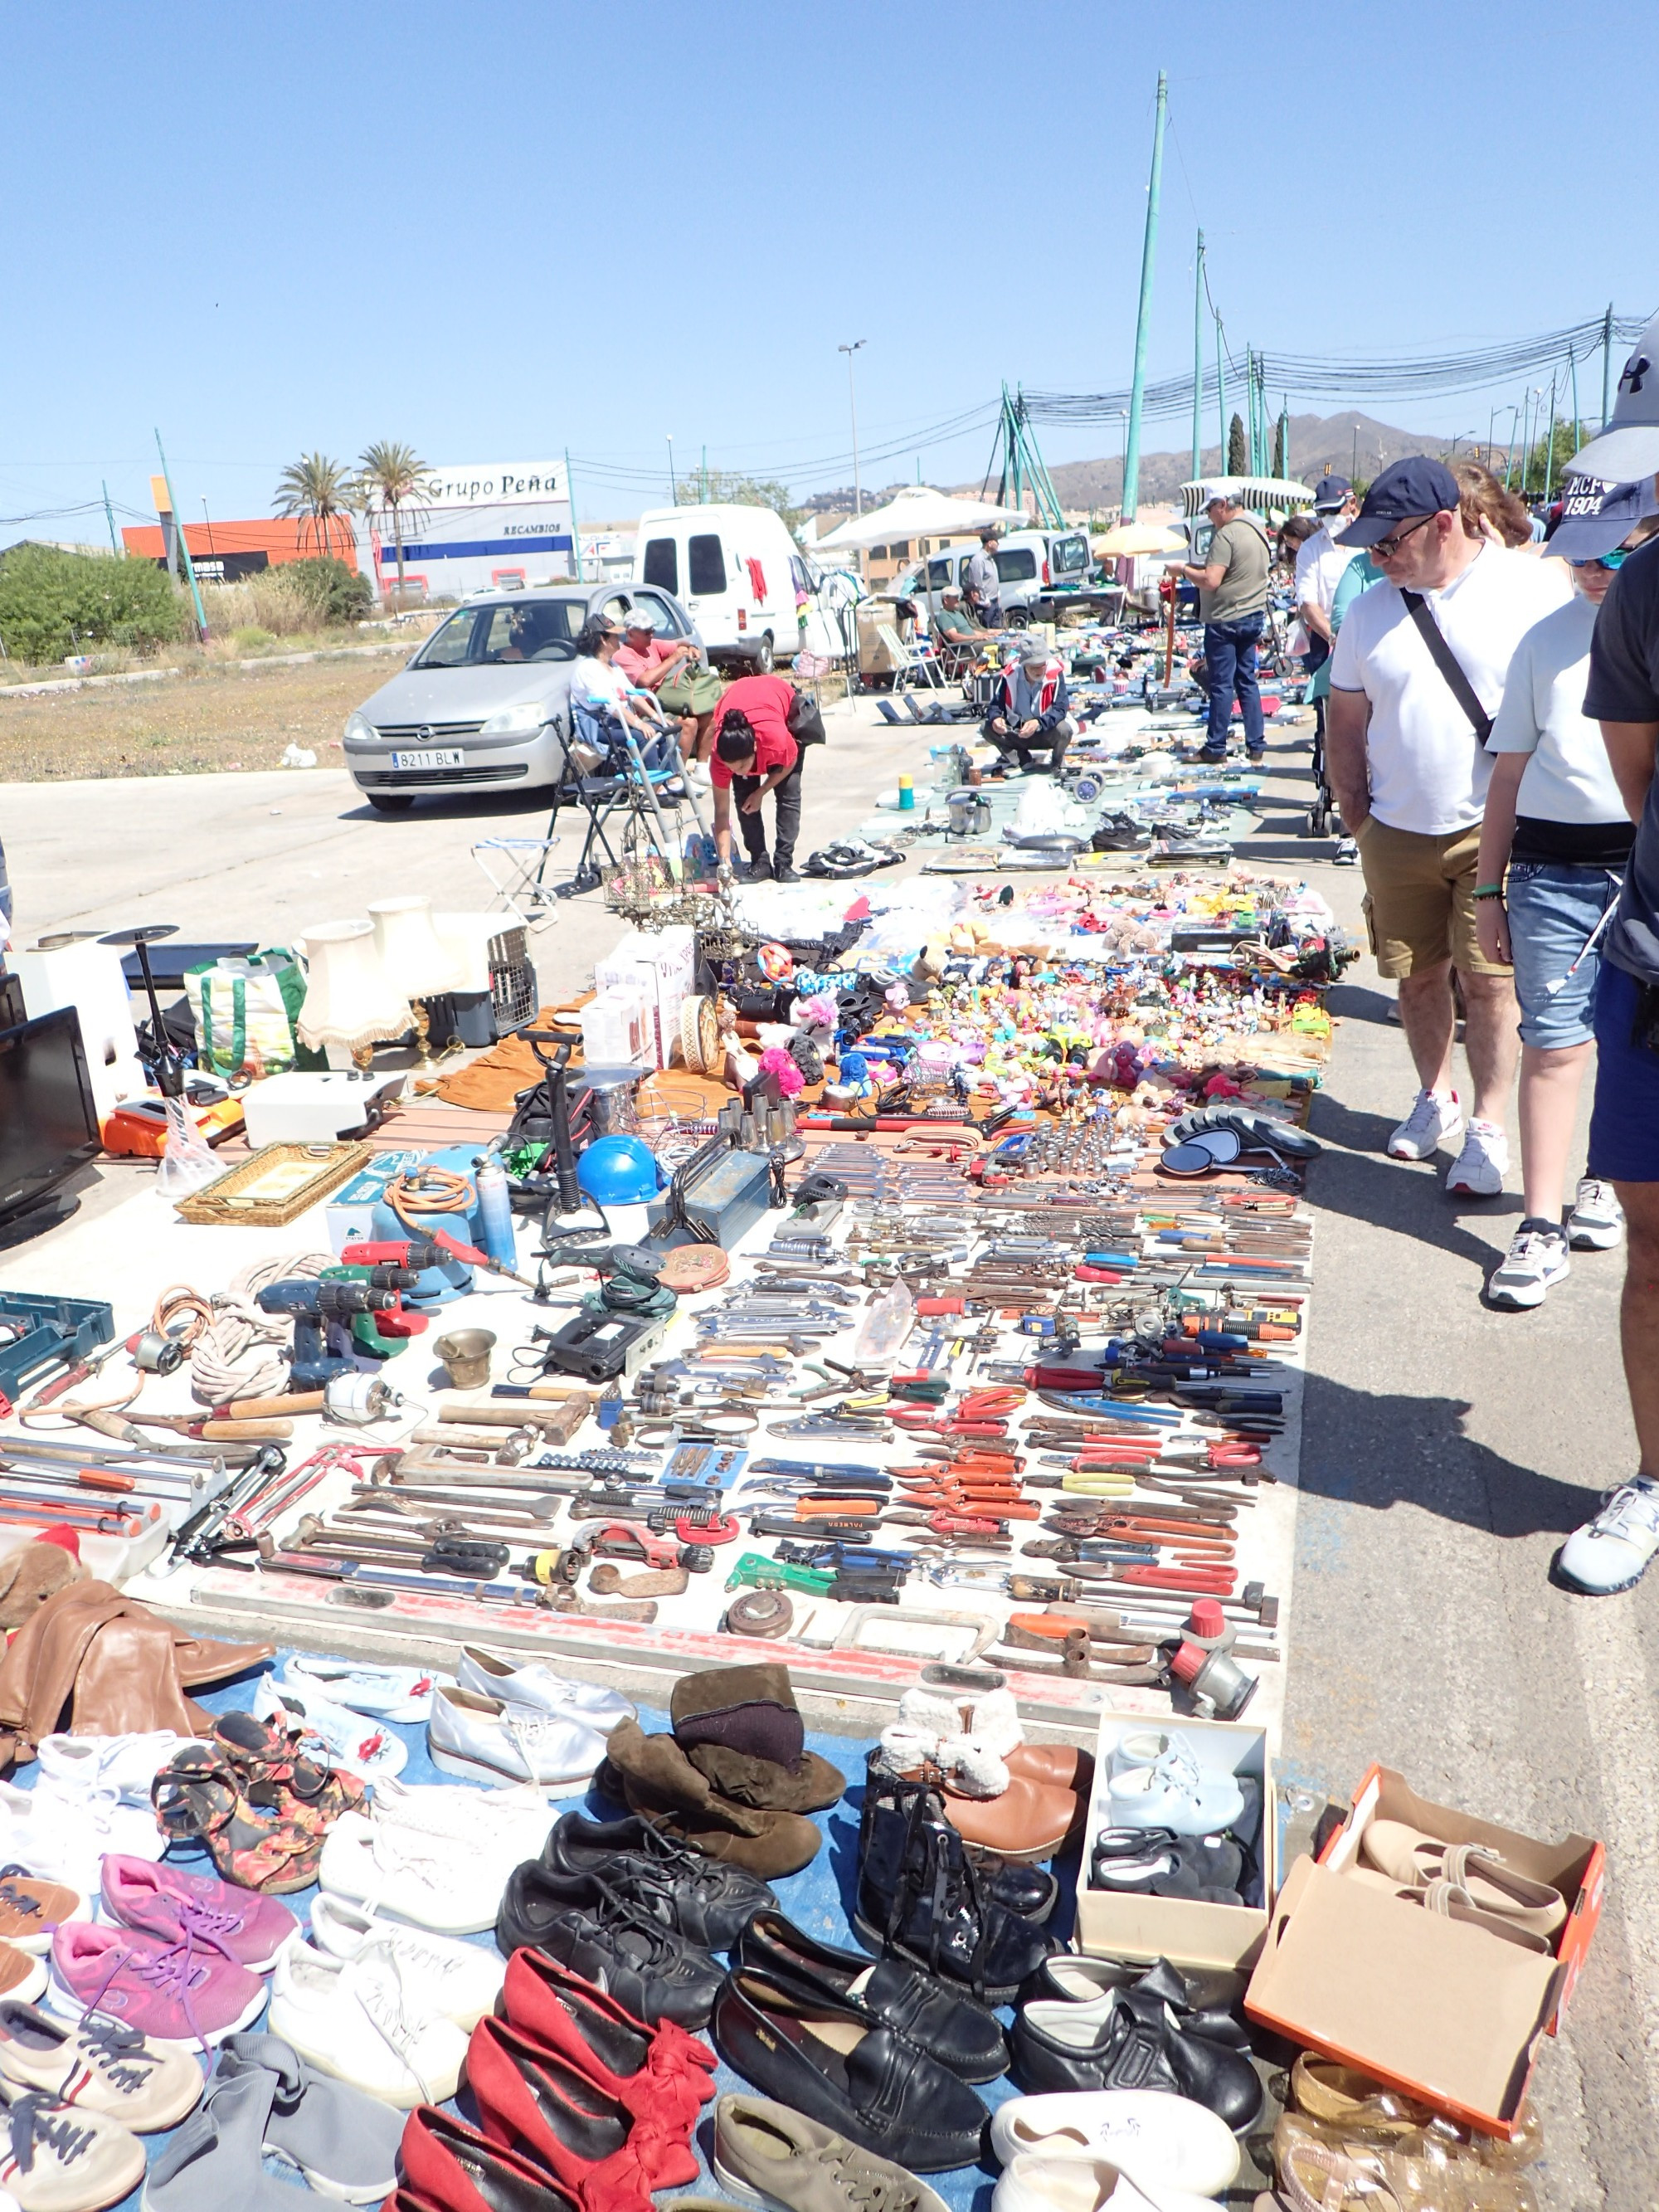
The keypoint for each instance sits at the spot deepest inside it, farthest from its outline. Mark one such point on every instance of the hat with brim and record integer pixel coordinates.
(636, 618)
(1596, 517)
(1629, 446)
(1402, 492)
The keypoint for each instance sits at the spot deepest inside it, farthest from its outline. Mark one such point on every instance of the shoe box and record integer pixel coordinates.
(1447, 2013)
(1184, 1930)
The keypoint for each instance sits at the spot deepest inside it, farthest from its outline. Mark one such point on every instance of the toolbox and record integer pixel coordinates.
(44, 1333)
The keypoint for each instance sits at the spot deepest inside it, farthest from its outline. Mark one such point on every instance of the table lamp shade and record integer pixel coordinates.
(349, 1000)
(415, 960)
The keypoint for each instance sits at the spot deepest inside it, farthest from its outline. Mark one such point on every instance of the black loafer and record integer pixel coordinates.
(950, 2027)
(604, 1937)
(869, 2083)
(707, 1902)
(1139, 2044)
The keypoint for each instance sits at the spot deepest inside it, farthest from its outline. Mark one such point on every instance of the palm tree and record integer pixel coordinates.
(316, 486)
(390, 473)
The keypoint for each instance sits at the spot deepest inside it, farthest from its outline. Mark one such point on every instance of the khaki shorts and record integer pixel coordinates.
(1419, 907)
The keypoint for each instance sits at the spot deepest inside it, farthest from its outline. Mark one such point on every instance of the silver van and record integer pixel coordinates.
(1036, 568)
(486, 699)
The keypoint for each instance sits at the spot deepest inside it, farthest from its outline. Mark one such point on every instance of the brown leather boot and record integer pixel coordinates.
(660, 1782)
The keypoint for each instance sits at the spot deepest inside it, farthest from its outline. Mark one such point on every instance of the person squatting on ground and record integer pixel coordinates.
(1553, 848)
(754, 754)
(1030, 709)
(1418, 672)
(1232, 604)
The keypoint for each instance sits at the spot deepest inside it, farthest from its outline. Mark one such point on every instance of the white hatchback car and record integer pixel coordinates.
(485, 700)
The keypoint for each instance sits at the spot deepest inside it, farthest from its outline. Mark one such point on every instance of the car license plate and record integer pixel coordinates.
(449, 757)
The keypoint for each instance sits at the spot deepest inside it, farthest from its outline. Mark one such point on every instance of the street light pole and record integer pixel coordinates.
(674, 491)
(853, 405)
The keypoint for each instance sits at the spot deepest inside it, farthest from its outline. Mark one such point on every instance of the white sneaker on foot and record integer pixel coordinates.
(1611, 1552)
(1597, 1220)
(1436, 1119)
(1479, 1168)
(1536, 1258)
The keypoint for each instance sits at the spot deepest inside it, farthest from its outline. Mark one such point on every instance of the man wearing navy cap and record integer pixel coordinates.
(1416, 677)
(1612, 1551)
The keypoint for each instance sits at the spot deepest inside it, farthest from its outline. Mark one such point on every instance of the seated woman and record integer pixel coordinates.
(606, 693)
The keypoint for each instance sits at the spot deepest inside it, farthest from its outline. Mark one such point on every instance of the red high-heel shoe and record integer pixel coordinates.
(444, 2165)
(533, 2099)
(652, 2070)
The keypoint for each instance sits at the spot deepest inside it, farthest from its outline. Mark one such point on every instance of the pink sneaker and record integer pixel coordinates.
(176, 1992)
(197, 1909)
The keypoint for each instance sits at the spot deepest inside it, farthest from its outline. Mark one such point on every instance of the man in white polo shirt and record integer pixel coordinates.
(1416, 677)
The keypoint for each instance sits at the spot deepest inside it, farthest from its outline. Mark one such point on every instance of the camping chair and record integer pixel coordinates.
(596, 794)
(908, 659)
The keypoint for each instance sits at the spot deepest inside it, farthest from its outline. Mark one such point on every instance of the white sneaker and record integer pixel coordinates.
(513, 1824)
(487, 1741)
(126, 1765)
(363, 1747)
(1159, 2137)
(1479, 1168)
(394, 1693)
(436, 1882)
(366, 2021)
(1597, 1220)
(533, 1682)
(1436, 1119)
(1174, 1792)
(1041, 2182)
(459, 1981)
(1611, 1552)
(1536, 1258)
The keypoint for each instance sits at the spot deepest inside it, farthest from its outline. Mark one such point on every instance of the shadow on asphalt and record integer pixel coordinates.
(486, 806)
(1356, 1002)
(1372, 1450)
(1404, 1196)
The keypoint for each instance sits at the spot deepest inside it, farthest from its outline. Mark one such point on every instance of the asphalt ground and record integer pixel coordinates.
(1448, 1448)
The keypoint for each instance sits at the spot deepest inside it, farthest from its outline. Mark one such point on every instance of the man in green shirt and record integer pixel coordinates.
(952, 624)
(1232, 601)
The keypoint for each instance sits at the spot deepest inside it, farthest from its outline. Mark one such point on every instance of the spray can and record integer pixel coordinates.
(496, 1213)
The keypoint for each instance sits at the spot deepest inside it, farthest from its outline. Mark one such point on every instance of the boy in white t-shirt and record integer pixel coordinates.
(1553, 849)
(1416, 677)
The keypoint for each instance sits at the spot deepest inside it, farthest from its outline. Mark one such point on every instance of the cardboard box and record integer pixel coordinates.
(1182, 1930)
(660, 963)
(1444, 2011)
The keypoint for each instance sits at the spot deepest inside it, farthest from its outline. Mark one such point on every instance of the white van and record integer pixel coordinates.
(1040, 571)
(736, 570)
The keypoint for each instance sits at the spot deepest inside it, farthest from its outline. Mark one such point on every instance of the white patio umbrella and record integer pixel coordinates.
(918, 511)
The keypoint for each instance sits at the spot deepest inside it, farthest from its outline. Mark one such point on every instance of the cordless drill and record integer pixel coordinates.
(323, 1313)
(381, 1334)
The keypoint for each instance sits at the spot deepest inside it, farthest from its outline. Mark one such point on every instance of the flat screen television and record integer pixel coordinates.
(48, 1122)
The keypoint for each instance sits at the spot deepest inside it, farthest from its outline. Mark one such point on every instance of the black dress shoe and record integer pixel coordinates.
(960, 2034)
(1199, 2002)
(868, 2082)
(707, 1902)
(1169, 1866)
(922, 1898)
(1139, 2044)
(587, 1926)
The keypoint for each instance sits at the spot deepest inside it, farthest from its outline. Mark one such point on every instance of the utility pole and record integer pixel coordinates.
(852, 406)
(575, 526)
(1198, 354)
(673, 489)
(1144, 313)
(705, 476)
(1572, 372)
(1549, 446)
(109, 517)
(184, 547)
(1220, 401)
(1607, 365)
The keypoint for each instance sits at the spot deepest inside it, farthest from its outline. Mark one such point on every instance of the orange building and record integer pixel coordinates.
(222, 551)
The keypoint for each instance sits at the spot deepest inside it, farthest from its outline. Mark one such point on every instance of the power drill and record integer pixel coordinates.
(323, 1313)
(381, 1334)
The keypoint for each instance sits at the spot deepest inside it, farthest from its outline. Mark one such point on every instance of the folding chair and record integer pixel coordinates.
(908, 659)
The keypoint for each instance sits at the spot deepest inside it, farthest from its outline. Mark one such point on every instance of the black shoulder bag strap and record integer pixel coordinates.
(1447, 662)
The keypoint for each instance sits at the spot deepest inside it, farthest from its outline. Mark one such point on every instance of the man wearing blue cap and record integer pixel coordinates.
(1416, 677)
(1612, 1551)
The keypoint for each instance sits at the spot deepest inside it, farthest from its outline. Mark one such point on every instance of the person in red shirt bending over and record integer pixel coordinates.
(754, 753)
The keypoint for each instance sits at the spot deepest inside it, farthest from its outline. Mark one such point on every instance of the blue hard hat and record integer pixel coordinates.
(618, 1170)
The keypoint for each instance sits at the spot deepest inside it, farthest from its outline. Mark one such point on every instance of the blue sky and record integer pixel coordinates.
(505, 229)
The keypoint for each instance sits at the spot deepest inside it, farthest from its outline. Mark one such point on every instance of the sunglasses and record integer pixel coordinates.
(1615, 560)
(1386, 548)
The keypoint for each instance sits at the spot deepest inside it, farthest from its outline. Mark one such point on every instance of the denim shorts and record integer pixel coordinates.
(1553, 907)
(1624, 1134)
